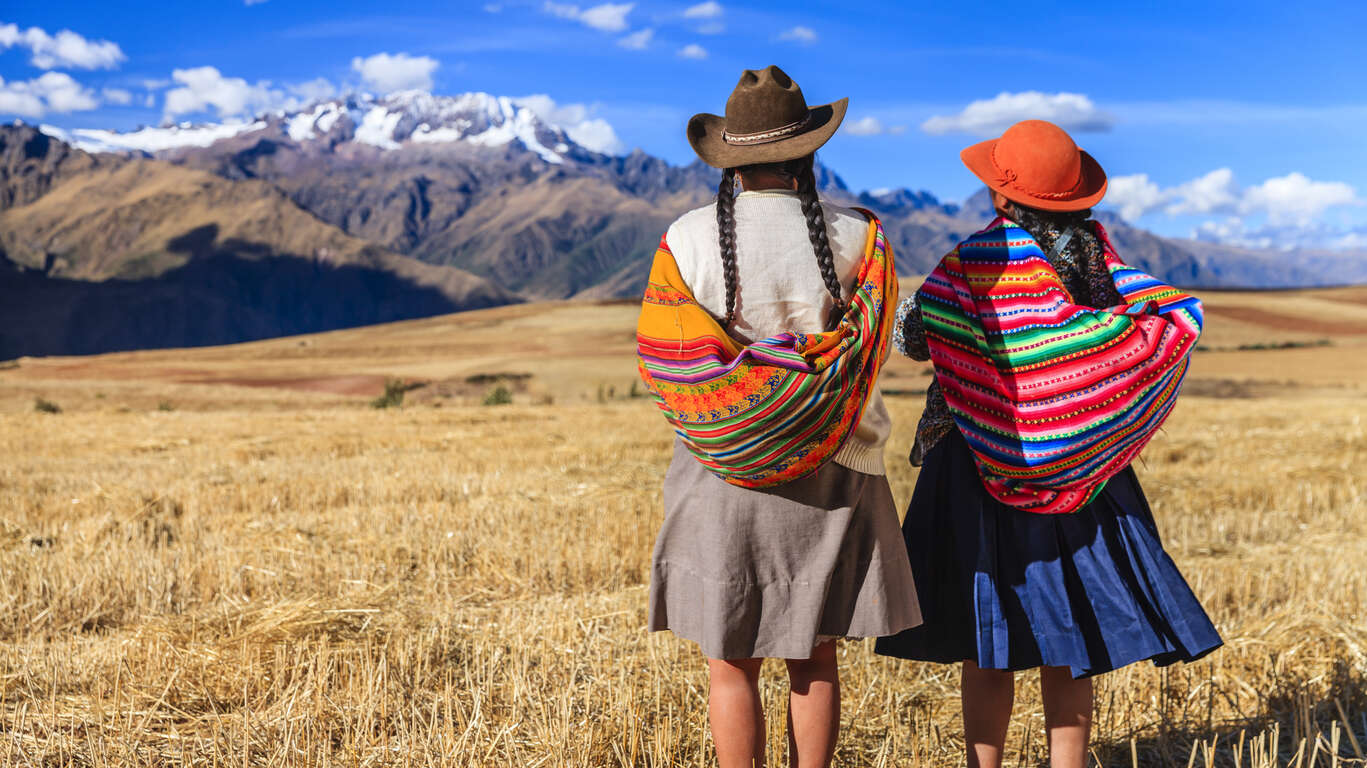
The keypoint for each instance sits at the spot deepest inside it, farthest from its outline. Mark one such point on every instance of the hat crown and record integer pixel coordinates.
(1040, 157)
(763, 100)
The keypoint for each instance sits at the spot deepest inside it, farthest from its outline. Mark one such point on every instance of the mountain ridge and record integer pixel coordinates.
(453, 201)
(106, 253)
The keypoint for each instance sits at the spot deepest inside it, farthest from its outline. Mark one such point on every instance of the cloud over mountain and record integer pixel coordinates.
(396, 72)
(987, 117)
(202, 88)
(65, 49)
(1281, 212)
(49, 92)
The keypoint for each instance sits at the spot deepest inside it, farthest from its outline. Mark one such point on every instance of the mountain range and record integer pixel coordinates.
(375, 208)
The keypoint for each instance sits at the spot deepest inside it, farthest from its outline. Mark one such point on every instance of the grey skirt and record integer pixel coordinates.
(771, 573)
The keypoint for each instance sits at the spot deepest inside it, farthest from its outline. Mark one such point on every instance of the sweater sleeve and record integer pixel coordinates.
(908, 330)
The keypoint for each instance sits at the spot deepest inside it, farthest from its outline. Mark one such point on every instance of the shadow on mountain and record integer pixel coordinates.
(227, 292)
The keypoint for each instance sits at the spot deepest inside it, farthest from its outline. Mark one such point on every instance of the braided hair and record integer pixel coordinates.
(1080, 262)
(726, 238)
(802, 170)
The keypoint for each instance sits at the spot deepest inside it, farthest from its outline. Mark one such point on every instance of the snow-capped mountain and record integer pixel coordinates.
(491, 198)
(388, 122)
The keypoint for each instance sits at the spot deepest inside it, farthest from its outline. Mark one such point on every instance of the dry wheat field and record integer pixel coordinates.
(228, 557)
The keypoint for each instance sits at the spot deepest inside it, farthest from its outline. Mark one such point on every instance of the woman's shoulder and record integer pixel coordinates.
(844, 214)
(846, 225)
(698, 223)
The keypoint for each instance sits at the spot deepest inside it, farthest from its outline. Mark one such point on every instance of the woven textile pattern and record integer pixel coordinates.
(1053, 397)
(777, 409)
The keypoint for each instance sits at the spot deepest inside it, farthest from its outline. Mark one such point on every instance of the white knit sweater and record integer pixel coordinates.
(779, 284)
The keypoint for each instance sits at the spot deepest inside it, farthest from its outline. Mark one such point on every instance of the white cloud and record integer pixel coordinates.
(155, 85)
(608, 17)
(985, 117)
(493, 7)
(396, 72)
(204, 87)
(712, 28)
(576, 120)
(1282, 212)
(637, 41)
(864, 126)
(1354, 240)
(1134, 195)
(800, 34)
(66, 49)
(318, 89)
(117, 96)
(1235, 230)
(19, 99)
(50, 92)
(1214, 192)
(252, 2)
(707, 10)
(693, 51)
(1294, 199)
(871, 126)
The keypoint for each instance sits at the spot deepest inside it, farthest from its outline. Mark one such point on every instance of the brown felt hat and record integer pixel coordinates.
(1037, 164)
(767, 121)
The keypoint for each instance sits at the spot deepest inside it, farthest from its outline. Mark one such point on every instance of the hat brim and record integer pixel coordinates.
(705, 134)
(978, 159)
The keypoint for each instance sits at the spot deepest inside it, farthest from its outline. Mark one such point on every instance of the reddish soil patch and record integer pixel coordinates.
(1282, 322)
(357, 384)
(1355, 299)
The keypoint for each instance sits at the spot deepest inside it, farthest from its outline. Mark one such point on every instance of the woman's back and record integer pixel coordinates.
(779, 285)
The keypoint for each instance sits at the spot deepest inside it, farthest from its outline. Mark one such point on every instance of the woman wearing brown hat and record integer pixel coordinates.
(762, 331)
(1028, 532)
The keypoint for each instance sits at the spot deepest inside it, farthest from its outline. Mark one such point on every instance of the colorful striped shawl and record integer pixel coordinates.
(1053, 397)
(776, 410)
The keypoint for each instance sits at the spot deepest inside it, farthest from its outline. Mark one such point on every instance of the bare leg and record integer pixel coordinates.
(813, 708)
(987, 698)
(1067, 716)
(733, 707)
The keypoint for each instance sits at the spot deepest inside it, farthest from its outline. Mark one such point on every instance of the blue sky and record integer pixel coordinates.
(1235, 121)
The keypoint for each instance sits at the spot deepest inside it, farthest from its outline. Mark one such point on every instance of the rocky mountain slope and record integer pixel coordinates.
(486, 184)
(370, 208)
(109, 252)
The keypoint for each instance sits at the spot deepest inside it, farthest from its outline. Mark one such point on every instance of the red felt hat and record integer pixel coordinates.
(1037, 164)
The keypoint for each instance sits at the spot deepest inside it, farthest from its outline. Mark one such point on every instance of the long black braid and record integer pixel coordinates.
(802, 170)
(1080, 262)
(816, 232)
(726, 238)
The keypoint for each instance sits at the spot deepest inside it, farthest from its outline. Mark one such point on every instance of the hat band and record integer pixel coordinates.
(765, 136)
(1007, 177)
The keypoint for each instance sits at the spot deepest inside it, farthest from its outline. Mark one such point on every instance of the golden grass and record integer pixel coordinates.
(275, 577)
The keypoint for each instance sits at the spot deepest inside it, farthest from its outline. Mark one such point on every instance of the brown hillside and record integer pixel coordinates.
(121, 253)
(584, 351)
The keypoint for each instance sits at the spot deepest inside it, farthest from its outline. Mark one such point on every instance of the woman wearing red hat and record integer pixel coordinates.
(1029, 537)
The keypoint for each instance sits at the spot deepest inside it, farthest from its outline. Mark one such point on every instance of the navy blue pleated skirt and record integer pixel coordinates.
(1092, 590)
